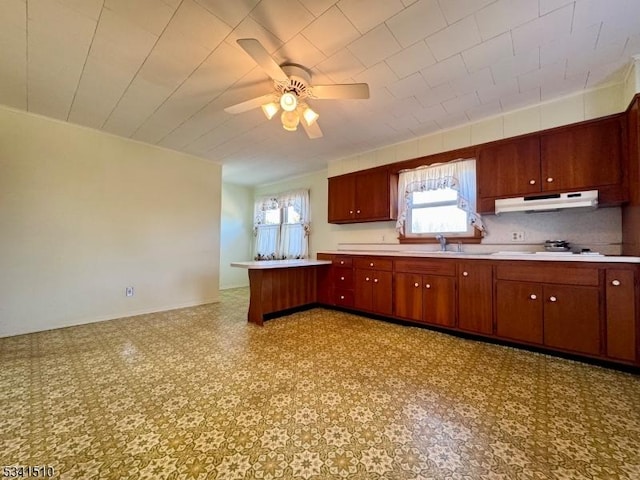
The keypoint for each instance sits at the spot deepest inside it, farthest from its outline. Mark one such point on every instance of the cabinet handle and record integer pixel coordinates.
(367, 279)
(428, 285)
(341, 278)
(341, 262)
(553, 299)
(416, 284)
(371, 264)
(465, 274)
(375, 280)
(615, 283)
(357, 211)
(549, 179)
(533, 296)
(350, 212)
(341, 297)
(532, 182)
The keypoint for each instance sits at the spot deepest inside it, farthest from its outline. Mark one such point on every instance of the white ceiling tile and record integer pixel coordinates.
(436, 95)
(341, 66)
(87, 8)
(374, 46)
(547, 6)
(316, 7)
(405, 122)
(431, 113)
(462, 103)
(504, 15)
(283, 18)
(209, 117)
(334, 21)
(519, 100)
(411, 59)
(569, 84)
(590, 12)
(484, 110)
(299, 50)
(444, 71)
(454, 39)
(367, 14)
(408, 86)
(614, 72)
(417, 22)
(230, 13)
(150, 15)
(580, 62)
(454, 10)
(118, 50)
(489, 52)
(472, 82)
(579, 42)
(554, 72)
(380, 75)
(13, 51)
(619, 30)
(492, 93)
(510, 68)
(542, 30)
(452, 120)
(196, 24)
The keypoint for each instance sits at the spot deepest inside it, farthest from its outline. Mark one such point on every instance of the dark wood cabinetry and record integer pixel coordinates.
(373, 285)
(475, 297)
(426, 292)
(622, 336)
(366, 196)
(519, 311)
(586, 156)
(337, 284)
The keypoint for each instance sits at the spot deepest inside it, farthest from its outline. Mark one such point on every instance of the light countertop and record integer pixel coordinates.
(270, 264)
(537, 256)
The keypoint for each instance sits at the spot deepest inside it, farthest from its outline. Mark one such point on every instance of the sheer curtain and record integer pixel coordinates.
(290, 237)
(458, 175)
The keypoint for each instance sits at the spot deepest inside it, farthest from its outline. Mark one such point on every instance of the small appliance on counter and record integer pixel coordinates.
(557, 246)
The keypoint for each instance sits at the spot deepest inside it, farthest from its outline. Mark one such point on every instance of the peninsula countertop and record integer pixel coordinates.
(271, 264)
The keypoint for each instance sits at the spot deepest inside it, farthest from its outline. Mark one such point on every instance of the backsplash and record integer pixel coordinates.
(599, 230)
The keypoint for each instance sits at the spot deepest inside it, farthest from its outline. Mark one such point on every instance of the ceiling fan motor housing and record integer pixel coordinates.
(298, 83)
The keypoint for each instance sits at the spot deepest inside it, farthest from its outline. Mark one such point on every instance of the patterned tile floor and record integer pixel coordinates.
(199, 393)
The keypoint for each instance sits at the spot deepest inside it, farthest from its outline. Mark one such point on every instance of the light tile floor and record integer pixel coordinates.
(199, 393)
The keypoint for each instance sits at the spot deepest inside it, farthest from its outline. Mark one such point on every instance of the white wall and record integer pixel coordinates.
(236, 234)
(84, 214)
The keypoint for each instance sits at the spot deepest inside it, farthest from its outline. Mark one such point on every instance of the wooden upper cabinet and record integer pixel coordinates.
(510, 168)
(584, 156)
(365, 196)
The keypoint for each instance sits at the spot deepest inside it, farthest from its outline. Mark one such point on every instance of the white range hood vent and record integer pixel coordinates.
(551, 202)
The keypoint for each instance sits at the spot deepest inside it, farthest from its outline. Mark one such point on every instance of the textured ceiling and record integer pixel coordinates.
(162, 71)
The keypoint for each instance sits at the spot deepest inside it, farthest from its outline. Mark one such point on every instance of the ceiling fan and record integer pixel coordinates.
(292, 89)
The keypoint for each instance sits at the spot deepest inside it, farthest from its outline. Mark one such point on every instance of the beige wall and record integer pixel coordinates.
(84, 214)
(236, 234)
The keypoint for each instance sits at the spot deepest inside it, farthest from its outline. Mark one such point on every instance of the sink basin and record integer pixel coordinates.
(435, 252)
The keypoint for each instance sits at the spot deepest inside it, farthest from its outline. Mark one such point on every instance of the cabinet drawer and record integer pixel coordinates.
(340, 261)
(551, 273)
(343, 298)
(374, 263)
(343, 278)
(429, 267)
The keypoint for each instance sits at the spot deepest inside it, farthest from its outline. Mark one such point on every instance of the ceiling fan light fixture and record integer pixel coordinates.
(309, 116)
(290, 120)
(270, 109)
(288, 101)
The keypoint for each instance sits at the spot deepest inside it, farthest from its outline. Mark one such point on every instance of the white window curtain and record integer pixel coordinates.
(459, 175)
(290, 237)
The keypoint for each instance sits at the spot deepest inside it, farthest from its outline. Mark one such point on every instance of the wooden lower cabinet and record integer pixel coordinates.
(373, 291)
(622, 336)
(475, 297)
(519, 311)
(426, 298)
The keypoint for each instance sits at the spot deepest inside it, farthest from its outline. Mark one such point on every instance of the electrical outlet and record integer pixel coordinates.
(128, 291)
(517, 236)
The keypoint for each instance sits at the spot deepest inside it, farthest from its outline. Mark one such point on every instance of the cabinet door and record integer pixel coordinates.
(475, 301)
(372, 195)
(439, 300)
(382, 293)
(363, 293)
(341, 199)
(621, 314)
(408, 296)
(519, 310)
(572, 318)
(585, 156)
(511, 168)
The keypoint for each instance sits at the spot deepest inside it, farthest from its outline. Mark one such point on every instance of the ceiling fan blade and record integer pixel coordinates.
(313, 131)
(341, 92)
(257, 51)
(250, 104)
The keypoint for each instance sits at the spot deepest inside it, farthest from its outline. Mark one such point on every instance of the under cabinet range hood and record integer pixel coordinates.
(548, 202)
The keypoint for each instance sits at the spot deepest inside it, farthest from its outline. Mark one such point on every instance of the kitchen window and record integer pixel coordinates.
(438, 200)
(281, 226)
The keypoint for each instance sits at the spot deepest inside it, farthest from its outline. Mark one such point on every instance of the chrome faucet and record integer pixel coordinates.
(443, 242)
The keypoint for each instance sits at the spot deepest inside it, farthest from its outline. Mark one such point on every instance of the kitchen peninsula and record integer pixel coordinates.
(280, 285)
